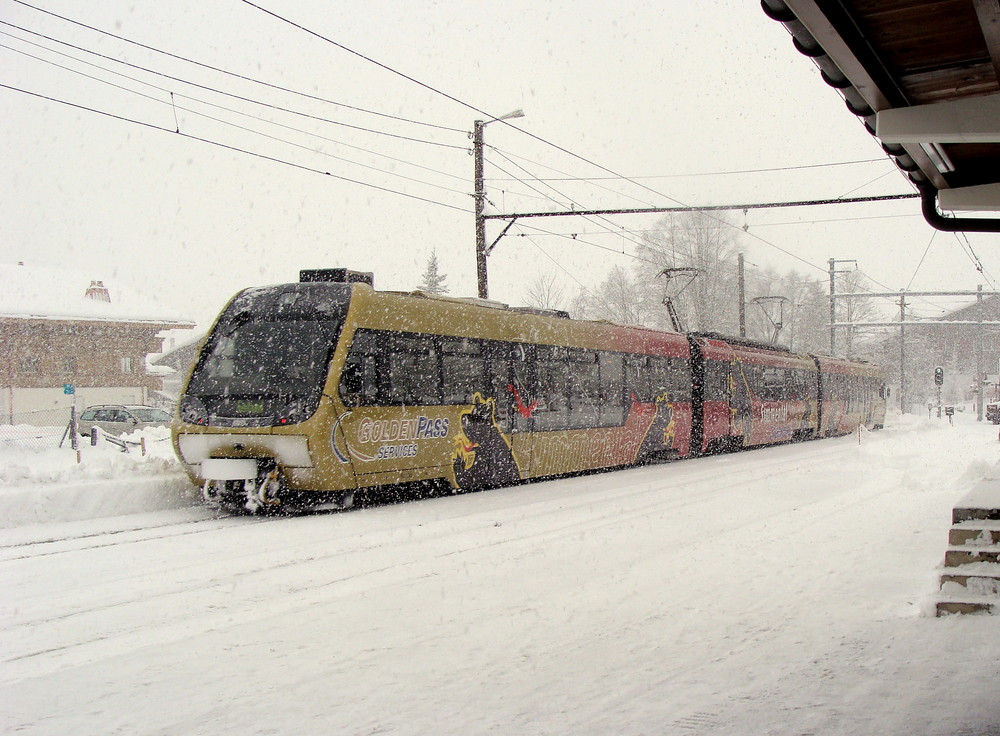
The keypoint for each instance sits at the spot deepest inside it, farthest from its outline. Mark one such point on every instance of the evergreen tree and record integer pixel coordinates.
(433, 281)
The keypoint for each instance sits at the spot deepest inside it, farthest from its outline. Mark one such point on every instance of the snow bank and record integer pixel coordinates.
(40, 485)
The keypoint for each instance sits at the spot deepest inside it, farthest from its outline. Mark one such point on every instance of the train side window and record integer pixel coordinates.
(772, 383)
(497, 364)
(585, 388)
(612, 388)
(414, 377)
(716, 381)
(637, 376)
(553, 410)
(523, 387)
(670, 376)
(748, 377)
(359, 378)
(463, 369)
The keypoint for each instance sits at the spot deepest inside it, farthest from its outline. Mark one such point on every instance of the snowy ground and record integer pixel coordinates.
(781, 591)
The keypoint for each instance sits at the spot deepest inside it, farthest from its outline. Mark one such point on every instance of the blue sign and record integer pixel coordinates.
(69, 388)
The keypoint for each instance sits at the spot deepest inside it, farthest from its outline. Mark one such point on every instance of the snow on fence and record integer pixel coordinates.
(48, 428)
(34, 429)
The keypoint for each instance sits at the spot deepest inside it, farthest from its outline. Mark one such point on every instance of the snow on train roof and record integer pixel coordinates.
(54, 293)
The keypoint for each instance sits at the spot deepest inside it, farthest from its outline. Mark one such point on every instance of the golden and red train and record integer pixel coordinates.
(304, 394)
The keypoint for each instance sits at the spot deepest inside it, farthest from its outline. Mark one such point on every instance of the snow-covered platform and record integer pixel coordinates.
(970, 581)
(982, 502)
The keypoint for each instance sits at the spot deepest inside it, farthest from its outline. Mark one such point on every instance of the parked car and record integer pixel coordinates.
(993, 412)
(117, 419)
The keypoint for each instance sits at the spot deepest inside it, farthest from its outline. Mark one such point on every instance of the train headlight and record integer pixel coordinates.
(192, 410)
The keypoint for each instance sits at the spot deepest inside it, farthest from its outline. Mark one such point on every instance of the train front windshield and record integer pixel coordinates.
(266, 361)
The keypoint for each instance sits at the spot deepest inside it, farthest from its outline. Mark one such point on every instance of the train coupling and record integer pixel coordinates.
(252, 483)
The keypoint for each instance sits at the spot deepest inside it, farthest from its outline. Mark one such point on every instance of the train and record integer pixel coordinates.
(306, 394)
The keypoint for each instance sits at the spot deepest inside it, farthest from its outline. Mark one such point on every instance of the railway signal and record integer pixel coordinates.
(939, 381)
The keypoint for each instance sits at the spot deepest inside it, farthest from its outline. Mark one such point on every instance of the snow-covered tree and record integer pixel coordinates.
(853, 309)
(544, 292)
(618, 299)
(433, 281)
(697, 240)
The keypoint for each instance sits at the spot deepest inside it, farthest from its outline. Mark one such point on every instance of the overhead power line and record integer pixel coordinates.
(707, 208)
(615, 175)
(709, 173)
(205, 87)
(233, 74)
(447, 96)
(236, 149)
(245, 115)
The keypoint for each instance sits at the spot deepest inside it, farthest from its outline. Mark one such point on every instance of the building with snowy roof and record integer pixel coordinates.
(70, 338)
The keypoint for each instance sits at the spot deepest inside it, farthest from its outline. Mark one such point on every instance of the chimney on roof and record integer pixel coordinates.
(98, 292)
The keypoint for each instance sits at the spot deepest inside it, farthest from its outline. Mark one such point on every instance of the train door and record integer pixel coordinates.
(520, 390)
(718, 382)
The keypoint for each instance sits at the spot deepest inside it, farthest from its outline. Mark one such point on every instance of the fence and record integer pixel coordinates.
(37, 430)
(50, 428)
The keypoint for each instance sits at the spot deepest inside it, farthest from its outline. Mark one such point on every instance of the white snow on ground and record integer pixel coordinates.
(40, 483)
(779, 591)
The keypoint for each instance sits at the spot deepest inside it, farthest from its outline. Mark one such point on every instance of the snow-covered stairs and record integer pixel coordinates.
(970, 580)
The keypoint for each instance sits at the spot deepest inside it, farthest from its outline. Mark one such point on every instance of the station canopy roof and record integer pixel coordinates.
(924, 76)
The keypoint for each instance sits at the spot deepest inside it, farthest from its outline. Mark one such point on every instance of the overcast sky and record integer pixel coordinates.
(674, 96)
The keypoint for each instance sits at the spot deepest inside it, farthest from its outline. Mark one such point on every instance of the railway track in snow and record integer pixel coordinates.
(242, 566)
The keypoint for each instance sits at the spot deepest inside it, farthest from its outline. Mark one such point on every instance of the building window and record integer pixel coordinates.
(31, 364)
(126, 364)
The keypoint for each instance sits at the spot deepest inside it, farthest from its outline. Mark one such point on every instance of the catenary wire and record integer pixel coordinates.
(236, 149)
(209, 88)
(436, 91)
(236, 74)
(719, 173)
(232, 124)
(921, 262)
(448, 96)
(609, 223)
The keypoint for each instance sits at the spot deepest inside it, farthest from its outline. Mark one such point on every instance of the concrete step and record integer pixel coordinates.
(969, 555)
(982, 501)
(967, 513)
(945, 608)
(981, 584)
(978, 533)
(970, 582)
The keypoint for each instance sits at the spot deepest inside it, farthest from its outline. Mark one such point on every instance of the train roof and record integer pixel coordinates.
(489, 319)
(744, 342)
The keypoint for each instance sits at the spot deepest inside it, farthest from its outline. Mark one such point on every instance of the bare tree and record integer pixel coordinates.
(853, 309)
(806, 313)
(544, 292)
(703, 241)
(616, 299)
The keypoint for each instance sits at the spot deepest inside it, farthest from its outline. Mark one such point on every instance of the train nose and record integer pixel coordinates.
(254, 484)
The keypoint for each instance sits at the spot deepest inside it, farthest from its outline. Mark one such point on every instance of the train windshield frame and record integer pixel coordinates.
(266, 361)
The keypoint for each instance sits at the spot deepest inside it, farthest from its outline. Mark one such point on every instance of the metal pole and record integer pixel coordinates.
(741, 280)
(902, 353)
(480, 198)
(980, 385)
(833, 310)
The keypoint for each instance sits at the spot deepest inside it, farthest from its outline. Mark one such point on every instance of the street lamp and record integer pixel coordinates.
(480, 197)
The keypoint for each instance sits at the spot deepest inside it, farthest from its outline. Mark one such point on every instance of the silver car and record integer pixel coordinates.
(118, 419)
